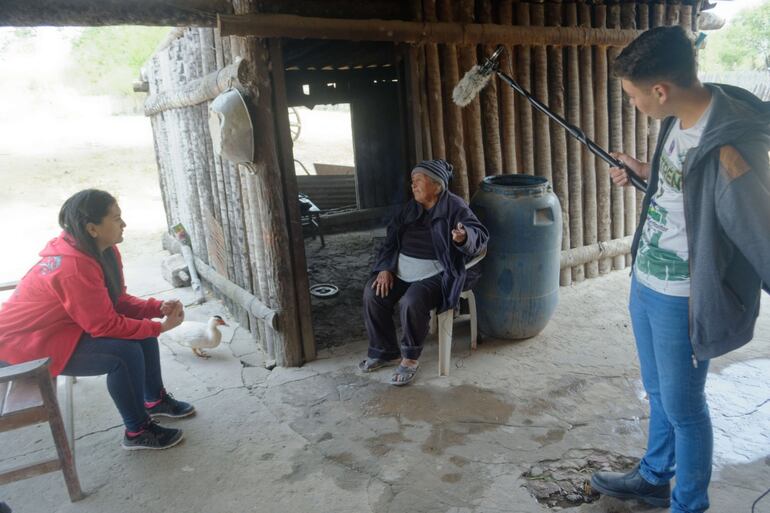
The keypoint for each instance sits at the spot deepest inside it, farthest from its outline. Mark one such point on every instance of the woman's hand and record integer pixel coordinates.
(168, 306)
(459, 235)
(620, 176)
(173, 319)
(383, 283)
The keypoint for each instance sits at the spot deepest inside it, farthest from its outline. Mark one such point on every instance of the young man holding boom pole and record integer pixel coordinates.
(701, 253)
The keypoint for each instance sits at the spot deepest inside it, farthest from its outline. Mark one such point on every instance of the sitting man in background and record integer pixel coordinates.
(420, 266)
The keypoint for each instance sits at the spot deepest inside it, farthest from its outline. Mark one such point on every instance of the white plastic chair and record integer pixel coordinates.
(444, 322)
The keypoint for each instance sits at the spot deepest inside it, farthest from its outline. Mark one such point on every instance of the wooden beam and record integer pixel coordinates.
(593, 252)
(241, 297)
(302, 27)
(197, 91)
(62, 13)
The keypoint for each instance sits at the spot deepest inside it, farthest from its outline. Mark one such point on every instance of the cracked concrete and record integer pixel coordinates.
(324, 438)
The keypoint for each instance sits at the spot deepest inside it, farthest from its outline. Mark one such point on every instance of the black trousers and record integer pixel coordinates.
(415, 301)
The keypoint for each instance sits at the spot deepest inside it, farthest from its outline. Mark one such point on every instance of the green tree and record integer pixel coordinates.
(109, 59)
(743, 44)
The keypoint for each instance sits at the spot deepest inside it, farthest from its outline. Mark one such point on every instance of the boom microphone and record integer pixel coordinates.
(478, 77)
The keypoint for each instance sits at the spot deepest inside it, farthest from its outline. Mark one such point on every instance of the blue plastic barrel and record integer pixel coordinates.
(519, 288)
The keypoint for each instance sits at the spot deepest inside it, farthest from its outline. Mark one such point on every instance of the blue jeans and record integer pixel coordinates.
(132, 368)
(680, 441)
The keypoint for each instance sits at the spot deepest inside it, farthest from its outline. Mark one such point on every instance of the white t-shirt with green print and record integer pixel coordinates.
(662, 262)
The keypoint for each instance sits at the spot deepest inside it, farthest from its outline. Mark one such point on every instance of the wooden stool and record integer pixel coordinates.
(27, 397)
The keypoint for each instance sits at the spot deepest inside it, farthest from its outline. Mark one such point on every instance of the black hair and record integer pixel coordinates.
(659, 54)
(92, 206)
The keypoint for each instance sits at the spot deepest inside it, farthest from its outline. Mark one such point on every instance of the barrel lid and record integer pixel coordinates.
(516, 185)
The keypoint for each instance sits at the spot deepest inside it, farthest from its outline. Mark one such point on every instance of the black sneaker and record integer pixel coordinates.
(170, 407)
(632, 486)
(152, 436)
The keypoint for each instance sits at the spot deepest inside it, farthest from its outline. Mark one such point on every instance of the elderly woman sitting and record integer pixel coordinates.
(421, 266)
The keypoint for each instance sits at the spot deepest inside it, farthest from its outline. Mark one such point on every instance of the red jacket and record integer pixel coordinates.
(62, 297)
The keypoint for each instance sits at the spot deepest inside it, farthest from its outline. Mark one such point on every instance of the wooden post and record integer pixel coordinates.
(628, 20)
(601, 95)
(590, 217)
(219, 173)
(574, 166)
(493, 158)
(286, 159)
(658, 20)
(615, 112)
(433, 78)
(507, 101)
(452, 115)
(523, 67)
(260, 259)
(422, 72)
(474, 152)
(540, 122)
(642, 122)
(558, 134)
(271, 199)
(410, 94)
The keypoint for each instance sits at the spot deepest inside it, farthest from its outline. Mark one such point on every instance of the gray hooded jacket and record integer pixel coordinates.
(726, 187)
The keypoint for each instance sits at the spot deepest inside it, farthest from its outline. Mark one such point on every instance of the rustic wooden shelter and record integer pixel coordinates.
(396, 63)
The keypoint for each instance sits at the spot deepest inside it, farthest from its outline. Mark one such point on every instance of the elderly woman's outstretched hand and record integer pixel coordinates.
(383, 283)
(459, 235)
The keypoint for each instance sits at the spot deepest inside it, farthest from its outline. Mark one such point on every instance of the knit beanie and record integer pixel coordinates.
(440, 170)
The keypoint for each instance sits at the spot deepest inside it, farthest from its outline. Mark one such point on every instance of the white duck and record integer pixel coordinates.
(198, 335)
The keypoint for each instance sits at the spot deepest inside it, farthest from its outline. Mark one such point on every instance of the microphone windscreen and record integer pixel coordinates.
(469, 86)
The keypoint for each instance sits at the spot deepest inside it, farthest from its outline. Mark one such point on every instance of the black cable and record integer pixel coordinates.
(759, 499)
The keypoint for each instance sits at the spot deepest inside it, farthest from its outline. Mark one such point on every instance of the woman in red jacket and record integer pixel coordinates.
(72, 306)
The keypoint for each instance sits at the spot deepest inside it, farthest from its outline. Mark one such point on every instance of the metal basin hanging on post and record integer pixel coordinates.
(232, 133)
(519, 287)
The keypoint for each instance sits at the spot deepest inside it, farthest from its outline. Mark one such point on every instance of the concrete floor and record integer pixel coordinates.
(512, 419)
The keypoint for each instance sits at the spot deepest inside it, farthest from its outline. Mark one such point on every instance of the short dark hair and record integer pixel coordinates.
(659, 54)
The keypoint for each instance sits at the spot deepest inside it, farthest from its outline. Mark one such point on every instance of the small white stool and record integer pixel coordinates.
(445, 324)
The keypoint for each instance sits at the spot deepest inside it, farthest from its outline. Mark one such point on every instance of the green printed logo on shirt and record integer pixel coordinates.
(662, 262)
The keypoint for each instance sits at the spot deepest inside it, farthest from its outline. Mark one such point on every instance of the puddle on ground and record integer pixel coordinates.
(564, 482)
(453, 413)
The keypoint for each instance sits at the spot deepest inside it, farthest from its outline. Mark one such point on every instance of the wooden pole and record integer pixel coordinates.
(615, 113)
(590, 216)
(658, 20)
(253, 243)
(219, 173)
(244, 298)
(422, 83)
(433, 77)
(558, 134)
(30, 13)
(523, 67)
(398, 31)
(474, 151)
(540, 122)
(601, 95)
(493, 158)
(452, 115)
(507, 102)
(628, 20)
(196, 91)
(286, 159)
(261, 271)
(271, 199)
(642, 122)
(593, 252)
(574, 166)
